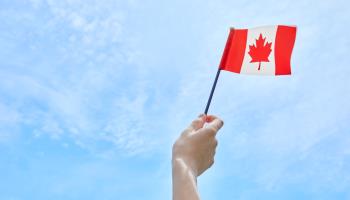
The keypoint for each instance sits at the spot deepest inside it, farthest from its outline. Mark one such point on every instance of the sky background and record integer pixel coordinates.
(93, 94)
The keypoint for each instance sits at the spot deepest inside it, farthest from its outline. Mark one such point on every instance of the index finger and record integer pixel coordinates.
(197, 123)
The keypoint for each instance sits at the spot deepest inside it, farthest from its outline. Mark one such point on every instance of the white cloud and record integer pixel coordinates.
(78, 89)
(125, 77)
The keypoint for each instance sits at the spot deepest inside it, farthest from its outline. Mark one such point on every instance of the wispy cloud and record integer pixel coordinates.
(79, 87)
(119, 80)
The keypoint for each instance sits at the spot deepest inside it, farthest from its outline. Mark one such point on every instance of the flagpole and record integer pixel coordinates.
(212, 90)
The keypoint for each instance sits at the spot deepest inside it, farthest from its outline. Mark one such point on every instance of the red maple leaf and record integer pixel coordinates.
(260, 52)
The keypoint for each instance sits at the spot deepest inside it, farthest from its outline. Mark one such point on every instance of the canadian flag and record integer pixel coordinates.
(263, 50)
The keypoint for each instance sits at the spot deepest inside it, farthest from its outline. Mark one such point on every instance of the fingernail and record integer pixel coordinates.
(201, 115)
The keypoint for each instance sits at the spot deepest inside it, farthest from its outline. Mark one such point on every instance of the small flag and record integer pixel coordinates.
(263, 50)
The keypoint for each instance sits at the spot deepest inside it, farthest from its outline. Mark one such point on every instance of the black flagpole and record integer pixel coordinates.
(223, 60)
(212, 90)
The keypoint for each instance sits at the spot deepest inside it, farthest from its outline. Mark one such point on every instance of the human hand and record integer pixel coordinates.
(196, 146)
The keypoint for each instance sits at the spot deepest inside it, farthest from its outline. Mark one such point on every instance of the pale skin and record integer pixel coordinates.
(193, 153)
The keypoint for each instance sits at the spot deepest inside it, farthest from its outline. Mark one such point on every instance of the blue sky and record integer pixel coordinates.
(93, 94)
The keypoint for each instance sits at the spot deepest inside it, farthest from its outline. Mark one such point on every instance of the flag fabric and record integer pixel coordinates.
(263, 50)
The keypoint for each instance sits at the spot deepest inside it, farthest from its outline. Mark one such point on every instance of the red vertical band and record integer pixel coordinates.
(233, 55)
(285, 38)
(226, 50)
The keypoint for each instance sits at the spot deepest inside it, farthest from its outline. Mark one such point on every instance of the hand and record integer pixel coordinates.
(196, 146)
(193, 153)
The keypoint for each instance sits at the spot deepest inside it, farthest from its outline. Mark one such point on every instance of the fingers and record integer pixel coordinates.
(214, 124)
(212, 127)
(198, 123)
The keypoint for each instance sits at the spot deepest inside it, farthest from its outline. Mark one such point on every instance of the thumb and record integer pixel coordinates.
(214, 122)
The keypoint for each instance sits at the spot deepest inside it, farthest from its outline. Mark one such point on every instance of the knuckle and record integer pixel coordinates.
(212, 130)
(186, 132)
(196, 121)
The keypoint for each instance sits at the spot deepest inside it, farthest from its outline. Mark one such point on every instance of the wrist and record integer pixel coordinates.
(184, 181)
(180, 164)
